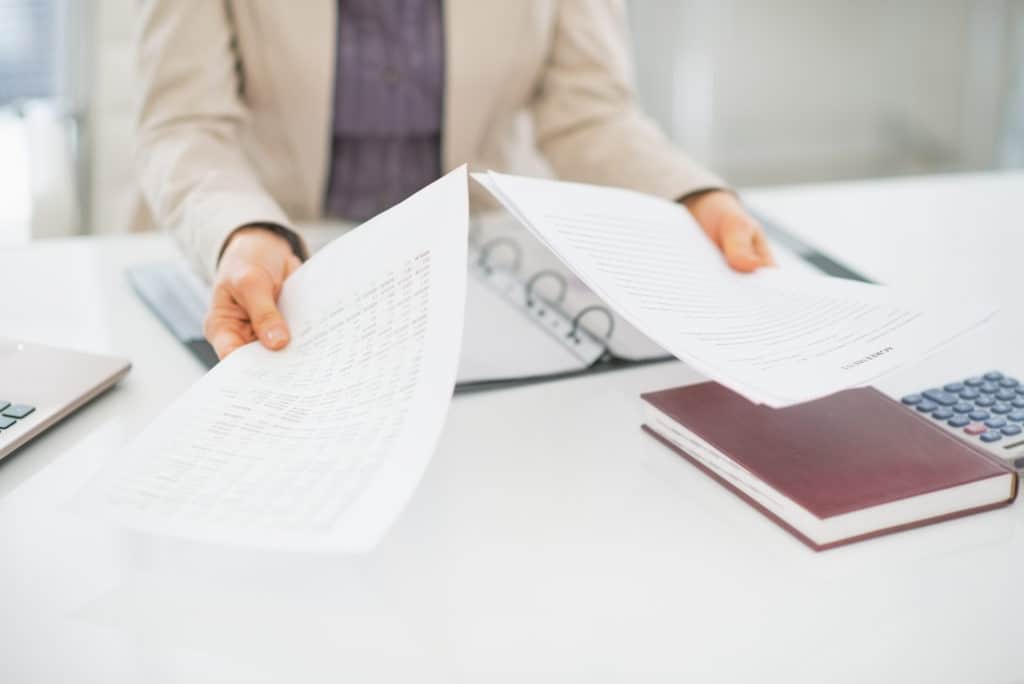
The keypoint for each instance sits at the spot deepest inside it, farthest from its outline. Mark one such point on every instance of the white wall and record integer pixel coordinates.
(808, 89)
(113, 192)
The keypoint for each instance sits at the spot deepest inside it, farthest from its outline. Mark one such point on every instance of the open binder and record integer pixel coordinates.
(528, 324)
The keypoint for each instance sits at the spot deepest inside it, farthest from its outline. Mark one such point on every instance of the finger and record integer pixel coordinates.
(226, 325)
(227, 340)
(738, 246)
(763, 249)
(255, 292)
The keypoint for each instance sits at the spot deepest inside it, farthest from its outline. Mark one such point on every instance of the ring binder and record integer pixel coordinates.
(485, 253)
(563, 286)
(574, 333)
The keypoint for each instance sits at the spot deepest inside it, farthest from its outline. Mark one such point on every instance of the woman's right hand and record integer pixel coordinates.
(253, 267)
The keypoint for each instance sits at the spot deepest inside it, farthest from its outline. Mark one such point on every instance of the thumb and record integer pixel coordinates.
(738, 244)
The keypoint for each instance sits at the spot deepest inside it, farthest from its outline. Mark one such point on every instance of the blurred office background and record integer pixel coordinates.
(765, 91)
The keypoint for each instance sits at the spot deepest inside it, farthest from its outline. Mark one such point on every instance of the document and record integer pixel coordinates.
(320, 445)
(776, 337)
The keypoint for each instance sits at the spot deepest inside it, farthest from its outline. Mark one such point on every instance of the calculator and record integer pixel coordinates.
(985, 410)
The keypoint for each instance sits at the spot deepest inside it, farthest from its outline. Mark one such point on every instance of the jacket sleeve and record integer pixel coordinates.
(193, 172)
(587, 120)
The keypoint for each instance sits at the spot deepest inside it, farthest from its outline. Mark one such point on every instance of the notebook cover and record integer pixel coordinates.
(845, 452)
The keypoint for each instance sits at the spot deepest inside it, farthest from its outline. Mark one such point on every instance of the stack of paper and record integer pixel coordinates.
(321, 444)
(777, 337)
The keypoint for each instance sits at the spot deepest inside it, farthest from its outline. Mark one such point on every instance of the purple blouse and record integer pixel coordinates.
(388, 94)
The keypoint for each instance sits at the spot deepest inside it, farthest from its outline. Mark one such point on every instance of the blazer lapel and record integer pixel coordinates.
(464, 107)
(300, 40)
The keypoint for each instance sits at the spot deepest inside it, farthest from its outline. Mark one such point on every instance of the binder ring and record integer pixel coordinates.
(574, 333)
(556, 276)
(474, 231)
(485, 253)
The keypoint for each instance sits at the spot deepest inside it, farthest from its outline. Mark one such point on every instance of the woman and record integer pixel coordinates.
(258, 113)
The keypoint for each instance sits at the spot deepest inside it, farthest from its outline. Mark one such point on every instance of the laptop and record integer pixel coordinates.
(39, 386)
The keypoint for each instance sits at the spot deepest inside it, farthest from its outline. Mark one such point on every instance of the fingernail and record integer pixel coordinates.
(276, 336)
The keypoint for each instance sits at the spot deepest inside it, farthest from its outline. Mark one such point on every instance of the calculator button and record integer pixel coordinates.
(958, 421)
(974, 382)
(985, 401)
(993, 375)
(1005, 395)
(6, 422)
(942, 413)
(18, 410)
(1011, 430)
(1000, 407)
(975, 429)
(995, 422)
(912, 399)
(1020, 389)
(940, 397)
(1018, 402)
(978, 415)
(989, 387)
(926, 406)
(969, 393)
(4, 404)
(1016, 415)
(1008, 382)
(962, 407)
(955, 386)
(991, 436)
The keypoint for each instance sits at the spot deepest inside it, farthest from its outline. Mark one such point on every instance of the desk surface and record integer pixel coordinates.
(550, 540)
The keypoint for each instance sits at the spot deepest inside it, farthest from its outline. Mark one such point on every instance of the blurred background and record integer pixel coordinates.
(766, 92)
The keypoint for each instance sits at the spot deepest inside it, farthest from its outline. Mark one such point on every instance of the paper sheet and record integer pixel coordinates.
(776, 337)
(321, 444)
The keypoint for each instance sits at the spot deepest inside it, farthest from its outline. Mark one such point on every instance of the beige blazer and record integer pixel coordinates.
(236, 97)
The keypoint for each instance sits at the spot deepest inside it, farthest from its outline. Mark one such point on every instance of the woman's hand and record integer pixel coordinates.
(732, 229)
(252, 269)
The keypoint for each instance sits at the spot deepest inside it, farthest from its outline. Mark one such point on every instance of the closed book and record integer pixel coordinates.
(848, 467)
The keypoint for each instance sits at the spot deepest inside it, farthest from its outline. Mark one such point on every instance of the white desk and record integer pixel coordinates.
(550, 540)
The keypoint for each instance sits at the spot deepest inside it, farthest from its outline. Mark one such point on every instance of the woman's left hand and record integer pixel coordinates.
(732, 229)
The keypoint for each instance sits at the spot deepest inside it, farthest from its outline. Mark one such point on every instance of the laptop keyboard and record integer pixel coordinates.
(10, 413)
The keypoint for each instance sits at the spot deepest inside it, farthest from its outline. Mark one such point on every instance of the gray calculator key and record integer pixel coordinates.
(1005, 395)
(989, 387)
(4, 404)
(969, 393)
(955, 387)
(991, 436)
(1000, 407)
(993, 375)
(6, 422)
(942, 413)
(940, 397)
(995, 422)
(911, 399)
(18, 410)
(1017, 415)
(1011, 430)
(985, 401)
(1008, 382)
(963, 407)
(926, 406)
(978, 415)
(958, 421)
(1020, 390)
(974, 382)
(1018, 402)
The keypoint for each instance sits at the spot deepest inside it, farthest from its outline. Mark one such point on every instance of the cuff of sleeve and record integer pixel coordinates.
(217, 217)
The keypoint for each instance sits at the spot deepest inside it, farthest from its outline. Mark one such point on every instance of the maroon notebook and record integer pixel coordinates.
(840, 469)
